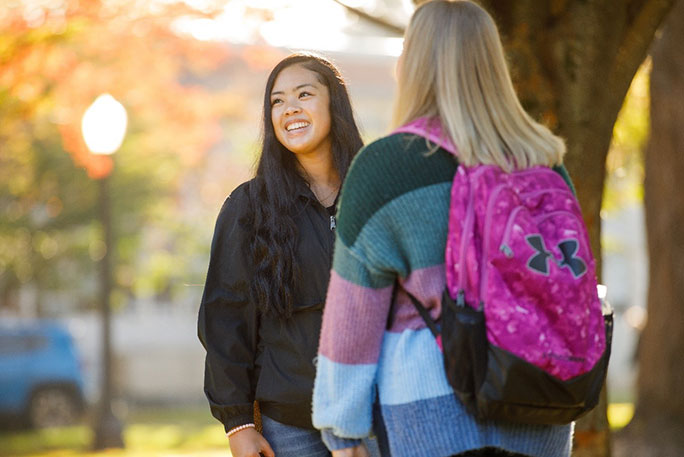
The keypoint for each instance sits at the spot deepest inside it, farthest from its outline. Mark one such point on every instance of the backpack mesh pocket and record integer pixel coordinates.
(464, 347)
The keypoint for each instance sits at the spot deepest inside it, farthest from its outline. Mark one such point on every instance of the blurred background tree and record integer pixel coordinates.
(656, 429)
(55, 58)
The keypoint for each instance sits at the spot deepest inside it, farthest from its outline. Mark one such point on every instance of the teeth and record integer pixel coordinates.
(296, 125)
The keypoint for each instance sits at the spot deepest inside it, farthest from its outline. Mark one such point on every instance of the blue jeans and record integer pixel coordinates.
(291, 441)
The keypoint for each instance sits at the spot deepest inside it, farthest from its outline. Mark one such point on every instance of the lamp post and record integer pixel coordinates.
(103, 127)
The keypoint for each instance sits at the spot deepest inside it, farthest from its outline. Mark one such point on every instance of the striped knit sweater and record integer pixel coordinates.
(392, 223)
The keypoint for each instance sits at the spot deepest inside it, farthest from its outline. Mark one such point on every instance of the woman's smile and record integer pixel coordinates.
(296, 126)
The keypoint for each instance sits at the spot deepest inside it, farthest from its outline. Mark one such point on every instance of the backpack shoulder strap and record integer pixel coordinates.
(424, 314)
(431, 129)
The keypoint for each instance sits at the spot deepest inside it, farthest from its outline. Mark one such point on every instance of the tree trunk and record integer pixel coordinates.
(572, 63)
(9, 293)
(659, 420)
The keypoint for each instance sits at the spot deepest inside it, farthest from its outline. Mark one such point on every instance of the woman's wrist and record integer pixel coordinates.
(239, 428)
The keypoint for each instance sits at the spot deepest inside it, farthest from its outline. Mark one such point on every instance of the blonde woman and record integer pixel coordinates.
(378, 365)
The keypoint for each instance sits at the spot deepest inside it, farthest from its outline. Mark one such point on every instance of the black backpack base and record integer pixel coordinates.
(495, 384)
(516, 391)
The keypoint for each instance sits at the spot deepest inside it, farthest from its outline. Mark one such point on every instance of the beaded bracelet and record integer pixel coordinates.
(239, 428)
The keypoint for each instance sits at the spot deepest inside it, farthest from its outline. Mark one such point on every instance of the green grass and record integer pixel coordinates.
(161, 432)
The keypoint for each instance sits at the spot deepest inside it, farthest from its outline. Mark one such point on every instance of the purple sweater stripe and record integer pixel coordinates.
(351, 309)
(427, 285)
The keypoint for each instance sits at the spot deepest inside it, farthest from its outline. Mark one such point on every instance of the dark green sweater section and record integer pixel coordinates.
(388, 168)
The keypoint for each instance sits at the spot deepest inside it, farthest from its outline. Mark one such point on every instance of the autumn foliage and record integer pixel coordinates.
(56, 57)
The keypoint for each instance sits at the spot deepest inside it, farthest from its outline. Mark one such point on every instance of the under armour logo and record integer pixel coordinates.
(569, 248)
(539, 262)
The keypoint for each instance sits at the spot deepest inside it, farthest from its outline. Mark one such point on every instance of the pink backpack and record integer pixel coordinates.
(522, 330)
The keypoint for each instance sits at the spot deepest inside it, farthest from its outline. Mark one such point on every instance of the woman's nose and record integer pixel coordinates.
(292, 108)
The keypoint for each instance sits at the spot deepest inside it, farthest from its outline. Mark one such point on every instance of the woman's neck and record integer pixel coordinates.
(323, 178)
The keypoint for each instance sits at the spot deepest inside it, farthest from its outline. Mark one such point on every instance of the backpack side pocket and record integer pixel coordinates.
(464, 344)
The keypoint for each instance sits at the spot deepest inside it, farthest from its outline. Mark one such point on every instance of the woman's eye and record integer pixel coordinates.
(305, 94)
(275, 101)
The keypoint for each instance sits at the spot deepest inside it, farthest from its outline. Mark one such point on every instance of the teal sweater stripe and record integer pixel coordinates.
(402, 165)
(390, 243)
(354, 266)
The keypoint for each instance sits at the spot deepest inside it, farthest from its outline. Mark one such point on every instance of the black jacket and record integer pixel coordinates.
(255, 357)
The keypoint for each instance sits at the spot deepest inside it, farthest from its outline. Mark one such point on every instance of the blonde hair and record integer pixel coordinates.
(453, 68)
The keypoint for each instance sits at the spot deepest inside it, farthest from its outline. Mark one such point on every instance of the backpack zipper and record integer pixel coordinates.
(466, 233)
(534, 193)
(485, 248)
(506, 250)
(467, 230)
(504, 247)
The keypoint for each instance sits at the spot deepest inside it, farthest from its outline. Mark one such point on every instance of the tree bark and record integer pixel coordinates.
(572, 63)
(659, 419)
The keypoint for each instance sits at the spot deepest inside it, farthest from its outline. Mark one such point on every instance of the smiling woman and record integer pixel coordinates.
(261, 311)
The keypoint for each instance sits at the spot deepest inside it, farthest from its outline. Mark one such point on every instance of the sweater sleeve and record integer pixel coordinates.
(372, 250)
(227, 324)
(354, 320)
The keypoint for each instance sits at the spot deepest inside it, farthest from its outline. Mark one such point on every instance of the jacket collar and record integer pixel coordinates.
(304, 191)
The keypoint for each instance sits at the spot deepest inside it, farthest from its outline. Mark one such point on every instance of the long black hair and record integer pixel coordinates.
(273, 192)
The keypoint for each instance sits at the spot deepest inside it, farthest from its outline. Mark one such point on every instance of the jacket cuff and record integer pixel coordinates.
(333, 442)
(232, 421)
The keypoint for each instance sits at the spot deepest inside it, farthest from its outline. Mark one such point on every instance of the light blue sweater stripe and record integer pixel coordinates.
(344, 395)
(410, 368)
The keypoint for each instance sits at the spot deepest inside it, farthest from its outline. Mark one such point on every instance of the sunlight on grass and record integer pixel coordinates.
(164, 432)
(145, 437)
(28, 442)
(210, 436)
(153, 436)
(619, 414)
